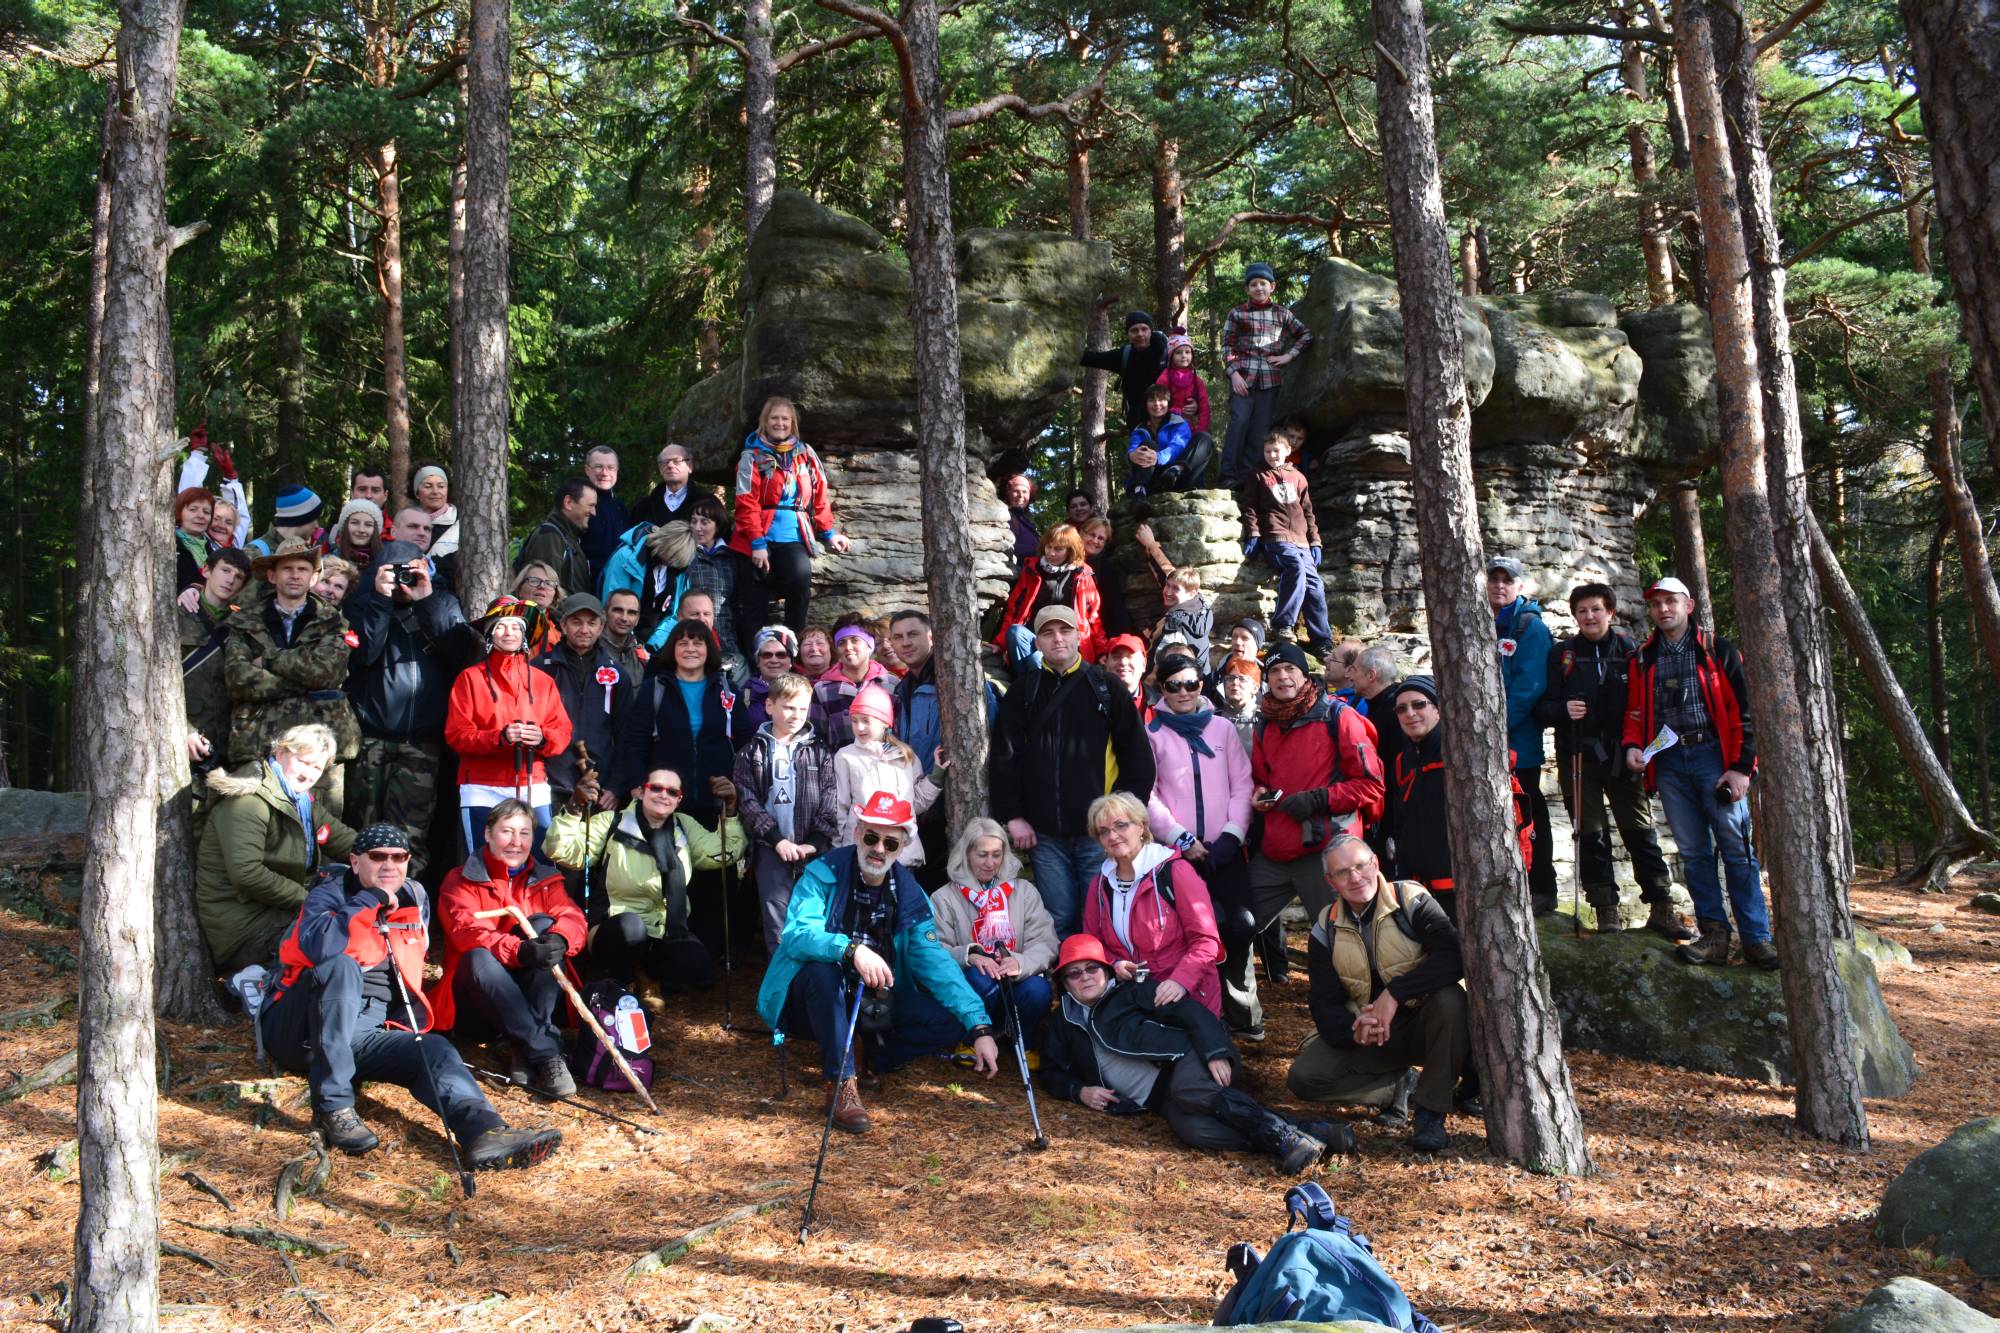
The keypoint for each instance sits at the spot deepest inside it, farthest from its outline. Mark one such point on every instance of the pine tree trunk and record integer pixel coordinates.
(290, 450)
(117, 1225)
(1934, 645)
(93, 360)
(760, 116)
(1468, 260)
(479, 460)
(389, 282)
(1659, 256)
(454, 266)
(1958, 838)
(1955, 46)
(1807, 916)
(954, 609)
(1531, 1113)
(1785, 459)
(1169, 237)
(1691, 550)
(1093, 460)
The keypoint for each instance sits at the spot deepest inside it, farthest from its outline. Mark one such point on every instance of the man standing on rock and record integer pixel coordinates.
(1524, 642)
(1685, 682)
(1585, 703)
(1137, 365)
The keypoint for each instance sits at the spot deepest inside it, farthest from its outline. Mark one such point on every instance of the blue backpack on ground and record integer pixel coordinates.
(1321, 1274)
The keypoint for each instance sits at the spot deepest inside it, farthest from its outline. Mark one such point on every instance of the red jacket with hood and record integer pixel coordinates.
(1084, 598)
(481, 885)
(761, 474)
(1172, 925)
(488, 697)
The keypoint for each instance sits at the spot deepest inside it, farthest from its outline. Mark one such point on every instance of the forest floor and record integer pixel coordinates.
(1709, 1211)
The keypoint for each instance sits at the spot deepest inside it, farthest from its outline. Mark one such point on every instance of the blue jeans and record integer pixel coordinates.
(1299, 587)
(821, 998)
(1032, 998)
(1064, 868)
(1704, 826)
(1020, 651)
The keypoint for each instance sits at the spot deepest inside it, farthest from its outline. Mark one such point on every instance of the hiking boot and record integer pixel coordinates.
(343, 1129)
(1465, 1100)
(517, 1069)
(1397, 1113)
(1429, 1135)
(1665, 922)
(1338, 1137)
(849, 1115)
(500, 1148)
(1761, 952)
(552, 1077)
(1712, 949)
(1608, 922)
(1296, 1150)
(1253, 1036)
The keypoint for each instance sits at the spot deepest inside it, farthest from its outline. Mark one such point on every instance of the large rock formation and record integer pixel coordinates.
(1948, 1200)
(829, 326)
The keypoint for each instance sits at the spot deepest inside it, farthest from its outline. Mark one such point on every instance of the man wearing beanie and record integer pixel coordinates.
(1137, 364)
(297, 515)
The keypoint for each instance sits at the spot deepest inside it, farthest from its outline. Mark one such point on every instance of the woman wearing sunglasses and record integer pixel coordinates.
(644, 857)
(1200, 804)
(1148, 907)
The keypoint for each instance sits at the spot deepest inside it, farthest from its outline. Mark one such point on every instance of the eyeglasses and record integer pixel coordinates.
(1180, 687)
(1414, 706)
(888, 842)
(383, 856)
(1074, 971)
(537, 582)
(1116, 826)
(1351, 872)
(662, 789)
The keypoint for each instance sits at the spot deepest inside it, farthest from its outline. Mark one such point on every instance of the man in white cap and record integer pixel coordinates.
(859, 919)
(1691, 684)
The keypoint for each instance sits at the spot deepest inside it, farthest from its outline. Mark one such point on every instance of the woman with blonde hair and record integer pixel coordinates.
(1149, 908)
(783, 504)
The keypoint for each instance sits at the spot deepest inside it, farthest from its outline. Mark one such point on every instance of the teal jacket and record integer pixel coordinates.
(820, 897)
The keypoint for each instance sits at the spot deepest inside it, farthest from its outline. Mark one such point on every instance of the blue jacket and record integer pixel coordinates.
(820, 897)
(1170, 442)
(917, 718)
(1524, 674)
(624, 570)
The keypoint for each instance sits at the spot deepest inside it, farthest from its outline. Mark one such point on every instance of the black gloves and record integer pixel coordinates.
(1304, 805)
(375, 898)
(1224, 850)
(543, 951)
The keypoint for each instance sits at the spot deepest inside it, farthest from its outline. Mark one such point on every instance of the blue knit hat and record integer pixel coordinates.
(298, 506)
(1260, 270)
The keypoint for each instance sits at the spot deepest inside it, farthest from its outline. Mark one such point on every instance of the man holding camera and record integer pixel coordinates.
(412, 643)
(859, 918)
(1690, 684)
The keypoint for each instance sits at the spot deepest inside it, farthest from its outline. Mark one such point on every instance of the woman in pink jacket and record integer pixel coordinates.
(1149, 908)
(1201, 807)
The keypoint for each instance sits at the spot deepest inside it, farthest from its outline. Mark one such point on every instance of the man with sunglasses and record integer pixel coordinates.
(858, 918)
(338, 1013)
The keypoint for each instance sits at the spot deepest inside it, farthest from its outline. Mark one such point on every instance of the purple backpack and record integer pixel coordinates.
(619, 1014)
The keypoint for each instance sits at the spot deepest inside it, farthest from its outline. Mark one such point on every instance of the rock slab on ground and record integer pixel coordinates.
(1911, 1305)
(1986, 902)
(1948, 1200)
(1627, 994)
(27, 813)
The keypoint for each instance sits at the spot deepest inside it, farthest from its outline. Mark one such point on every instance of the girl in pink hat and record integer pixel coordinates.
(878, 762)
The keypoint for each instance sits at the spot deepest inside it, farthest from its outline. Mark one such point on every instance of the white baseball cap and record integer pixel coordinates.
(1669, 584)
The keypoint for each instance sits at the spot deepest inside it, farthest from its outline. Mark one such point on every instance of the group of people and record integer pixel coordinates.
(656, 773)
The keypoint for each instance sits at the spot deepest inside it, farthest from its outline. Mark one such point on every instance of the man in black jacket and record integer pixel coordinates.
(1137, 364)
(558, 541)
(610, 520)
(1585, 703)
(595, 692)
(1048, 762)
(1111, 1046)
(1382, 968)
(412, 641)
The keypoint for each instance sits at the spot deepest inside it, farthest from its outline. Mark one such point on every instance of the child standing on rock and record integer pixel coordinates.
(1279, 524)
(1259, 339)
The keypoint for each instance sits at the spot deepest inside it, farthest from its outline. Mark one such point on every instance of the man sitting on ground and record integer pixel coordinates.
(1382, 967)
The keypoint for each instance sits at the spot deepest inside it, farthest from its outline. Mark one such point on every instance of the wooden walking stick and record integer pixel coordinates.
(582, 1009)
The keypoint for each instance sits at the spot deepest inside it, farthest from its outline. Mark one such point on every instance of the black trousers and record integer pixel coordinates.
(519, 1003)
(1542, 875)
(622, 947)
(1185, 474)
(790, 578)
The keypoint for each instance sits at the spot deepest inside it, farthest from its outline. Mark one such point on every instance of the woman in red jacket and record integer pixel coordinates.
(496, 979)
(782, 505)
(502, 718)
(1149, 908)
(1059, 576)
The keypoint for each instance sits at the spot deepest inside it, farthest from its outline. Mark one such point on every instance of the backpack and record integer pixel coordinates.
(617, 1011)
(1371, 811)
(1323, 1273)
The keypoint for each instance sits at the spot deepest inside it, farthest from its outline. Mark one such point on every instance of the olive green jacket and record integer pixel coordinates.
(254, 861)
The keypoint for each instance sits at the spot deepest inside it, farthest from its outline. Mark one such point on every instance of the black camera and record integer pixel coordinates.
(876, 1015)
(406, 575)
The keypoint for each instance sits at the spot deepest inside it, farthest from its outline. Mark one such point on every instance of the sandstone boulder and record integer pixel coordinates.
(1626, 994)
(1911, 1305)
(1948, 1199)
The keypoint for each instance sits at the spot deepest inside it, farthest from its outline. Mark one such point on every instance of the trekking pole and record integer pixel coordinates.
(582, 1009)
(1040, 1141)
(1576, 838)
(832, 1103)
(577, 1102)
(430, 1079)
(728, 952)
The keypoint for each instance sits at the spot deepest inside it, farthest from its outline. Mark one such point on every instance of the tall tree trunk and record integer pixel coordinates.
(760, 115)
(479, 460)
(117, 1224)
(454, 251)
(1485, 239)
(1531, 1114)
(1691, 550)
(1934, 645)
(1468, 260)
(1785, 457)
(1653, 244)
(395, 354)
(1958, 838)
(1092, 457)
(1808, 916)
(1169, 237)
(941, 420)
(290, 450)
(73, 740)
(1955, 46)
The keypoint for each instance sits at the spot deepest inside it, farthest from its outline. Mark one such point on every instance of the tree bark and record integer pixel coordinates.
(454, 261)
(1959, 838)
(961, 684)
(1169, 236)
(117, 1225)
(93, 360)
(1093, 460)
(479, 459)
(290, 451)
(1468, 260)
(1934, 645)
(389, 282)
(1807, 917)
(1659, 255)
(1531, 1113)
(1691, 550)
(760, 116)
(1955, 46)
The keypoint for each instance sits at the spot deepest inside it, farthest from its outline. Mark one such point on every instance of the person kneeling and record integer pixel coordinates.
(648, 853)
(1114, 1047)
(857, 915)
(994, 924)
(502, 980)
(1382, 969)
(348, 1004)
